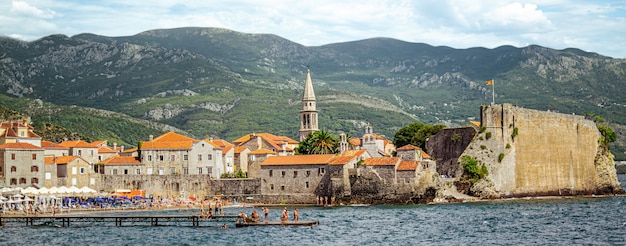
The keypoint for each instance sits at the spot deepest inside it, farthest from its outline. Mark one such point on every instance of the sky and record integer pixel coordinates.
(596, 26)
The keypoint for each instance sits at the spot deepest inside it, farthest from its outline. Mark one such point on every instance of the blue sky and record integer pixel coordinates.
(596, 26)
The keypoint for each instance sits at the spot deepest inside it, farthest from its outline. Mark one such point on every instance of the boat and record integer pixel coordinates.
(278, 223)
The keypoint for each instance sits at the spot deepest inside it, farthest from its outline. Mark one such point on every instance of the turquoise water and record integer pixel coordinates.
(561, 221)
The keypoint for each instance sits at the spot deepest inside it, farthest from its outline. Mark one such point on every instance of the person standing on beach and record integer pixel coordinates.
(285, 215)
(296, 215)
(266, 211)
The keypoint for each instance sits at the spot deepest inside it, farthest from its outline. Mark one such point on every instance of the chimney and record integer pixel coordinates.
(115, 147)
(122, 148)
(151, 137)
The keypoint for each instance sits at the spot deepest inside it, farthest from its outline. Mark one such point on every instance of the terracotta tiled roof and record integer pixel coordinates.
(104, 149)
(269, 137)
(382, 161)
(239, 149)
(220, 143)
(77, 144)
(476, 123)
(262, 151)
(172, 136)
(341, 160)
(407, 147)
(26, 146)
(355, 141)
(167, 145)
(122, 160)
(51, 145)
(9, 126)
(130, 150)
(99, 143)
(59, 159)
(355, 152)
(170, 140)
(408, 165)
(226, 149)
(297, 160)
(425, 155)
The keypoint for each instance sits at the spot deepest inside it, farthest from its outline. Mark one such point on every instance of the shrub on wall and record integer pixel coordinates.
(500, 157)
(473, 170)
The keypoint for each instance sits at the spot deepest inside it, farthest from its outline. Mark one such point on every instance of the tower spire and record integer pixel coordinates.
(308, 114)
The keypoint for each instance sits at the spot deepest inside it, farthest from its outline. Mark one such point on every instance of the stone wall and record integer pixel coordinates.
(531, 152)
(175, 185)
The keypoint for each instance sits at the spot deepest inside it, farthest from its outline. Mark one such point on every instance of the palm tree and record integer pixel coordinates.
(319, 142)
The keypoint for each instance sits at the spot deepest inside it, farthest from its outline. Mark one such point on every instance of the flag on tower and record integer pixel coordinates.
(489, 82)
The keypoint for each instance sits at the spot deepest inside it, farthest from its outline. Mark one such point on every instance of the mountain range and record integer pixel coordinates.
(225, 84)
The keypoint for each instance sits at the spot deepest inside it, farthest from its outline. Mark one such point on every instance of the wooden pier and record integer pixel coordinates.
(126, 220)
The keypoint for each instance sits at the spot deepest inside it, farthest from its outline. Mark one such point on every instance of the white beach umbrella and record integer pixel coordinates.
(43, 190)
(17, 196)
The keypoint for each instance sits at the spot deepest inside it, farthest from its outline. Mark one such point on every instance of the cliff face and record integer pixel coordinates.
(447, 146)
(531, 153)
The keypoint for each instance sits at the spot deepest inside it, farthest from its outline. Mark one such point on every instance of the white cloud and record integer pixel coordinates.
(24, 9)
(589, 25)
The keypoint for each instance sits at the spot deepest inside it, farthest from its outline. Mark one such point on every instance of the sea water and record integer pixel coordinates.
(536, 221)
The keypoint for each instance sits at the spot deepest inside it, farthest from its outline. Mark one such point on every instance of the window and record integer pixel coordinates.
(161, 158)
(306, 184)
(92, 181)
(172, 158)
(13, 169)
(34, 181)
(22, 180)
(308, 173)
(295, 174)
(74, 170)
(12, 156)
(149, 171)
(199, 157)
(82, 170)
(138, 171)
(209, 170)
(282, 187)
(321, 171)
(199, 170)
(73, 181)
(91, 153)
(13, 181)
(185, 157)
(125, 171)
(283, 173)
(185, 170)
(99, 158)
(48, 175)
(161, 171)
(80, 152)
(210, 157)
(149, 157)
(34, 156)
(34, 169)
(271, 186)
(172, 170)
(271, 173)
(114, 171)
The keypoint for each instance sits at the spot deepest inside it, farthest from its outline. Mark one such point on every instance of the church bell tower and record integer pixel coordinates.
(308, 114)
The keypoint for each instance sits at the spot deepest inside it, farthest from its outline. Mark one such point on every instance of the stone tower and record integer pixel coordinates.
(308, 114)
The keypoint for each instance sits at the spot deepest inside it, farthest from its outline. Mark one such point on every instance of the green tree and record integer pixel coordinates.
(319, 142)
(416, 134)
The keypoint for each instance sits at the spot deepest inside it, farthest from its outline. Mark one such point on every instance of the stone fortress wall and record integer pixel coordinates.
(531, 152)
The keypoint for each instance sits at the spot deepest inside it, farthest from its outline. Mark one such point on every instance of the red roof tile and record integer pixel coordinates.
(51, 145)
(25, 146)
(77, 144)
(382, 161)
(122, 160)
(59, 159)
(104, 149)
(408, 147)
(408, 165)
(262, 151)
(341, 160)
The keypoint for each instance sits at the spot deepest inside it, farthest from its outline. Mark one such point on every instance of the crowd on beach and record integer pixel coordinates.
(26, 205)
